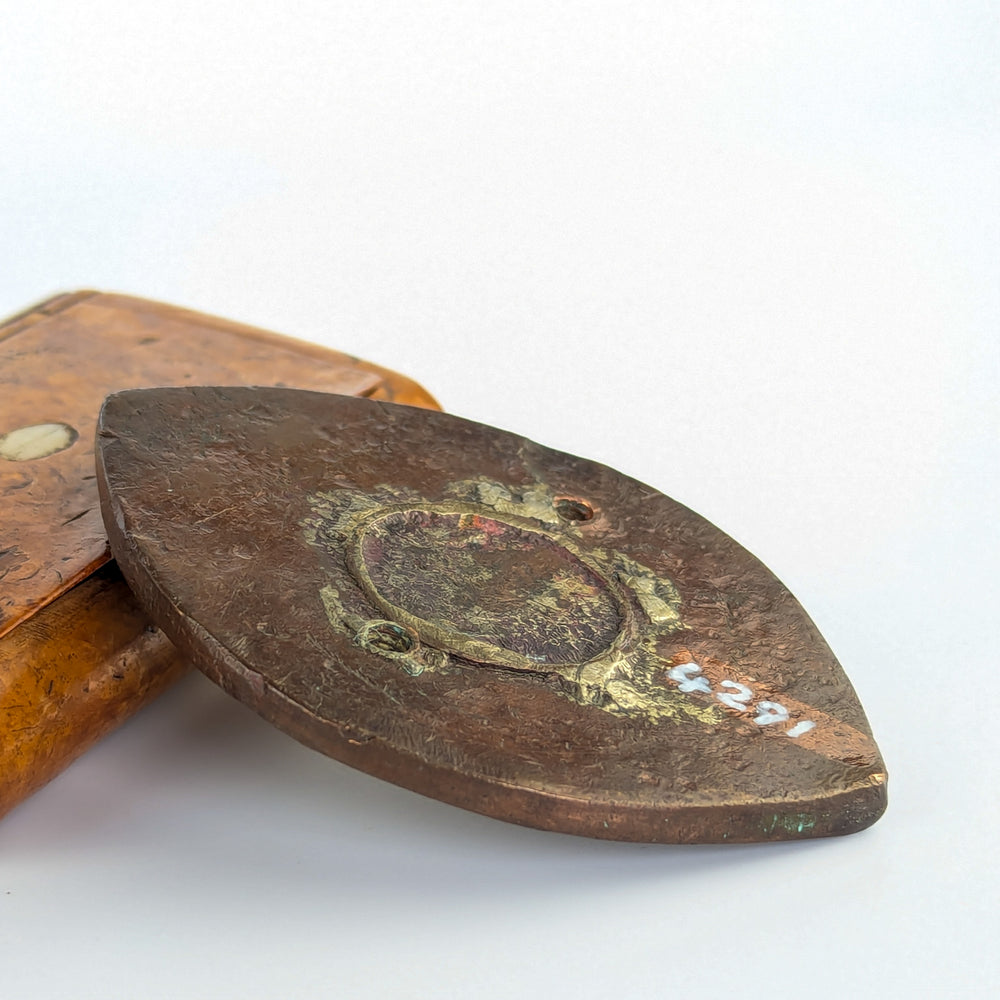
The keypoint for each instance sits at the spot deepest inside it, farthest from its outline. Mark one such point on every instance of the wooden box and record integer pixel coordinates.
(77, 654)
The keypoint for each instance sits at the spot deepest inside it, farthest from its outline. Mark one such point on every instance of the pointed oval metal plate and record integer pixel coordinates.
(484, 620)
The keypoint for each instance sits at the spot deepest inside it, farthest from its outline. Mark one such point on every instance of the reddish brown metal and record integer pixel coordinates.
(479, 618)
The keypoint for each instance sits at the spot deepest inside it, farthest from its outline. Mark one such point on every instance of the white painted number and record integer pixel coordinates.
(689, 678)
(801, 727)
(687, 681)
(770, 712)
(739, 700)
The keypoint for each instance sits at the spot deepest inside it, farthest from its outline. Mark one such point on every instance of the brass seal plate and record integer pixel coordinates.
(471, 615)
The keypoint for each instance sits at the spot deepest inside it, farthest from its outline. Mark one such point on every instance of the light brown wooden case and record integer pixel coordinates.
(77, 654)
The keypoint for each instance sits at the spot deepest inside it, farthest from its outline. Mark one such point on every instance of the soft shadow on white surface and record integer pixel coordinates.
(250, 797)
(743, 252)
(199, 826)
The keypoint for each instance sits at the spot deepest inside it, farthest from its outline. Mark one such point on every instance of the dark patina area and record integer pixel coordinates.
(466, 576)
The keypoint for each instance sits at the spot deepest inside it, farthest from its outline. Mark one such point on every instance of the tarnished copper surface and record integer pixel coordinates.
(479, 618)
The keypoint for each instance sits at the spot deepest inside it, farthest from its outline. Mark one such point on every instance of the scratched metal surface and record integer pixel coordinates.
(345, 567)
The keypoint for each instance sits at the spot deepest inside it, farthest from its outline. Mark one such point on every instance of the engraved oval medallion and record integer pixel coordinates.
(486, 589)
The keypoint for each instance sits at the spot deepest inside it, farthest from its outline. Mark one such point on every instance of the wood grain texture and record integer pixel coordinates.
(72, 673)
(68, 626)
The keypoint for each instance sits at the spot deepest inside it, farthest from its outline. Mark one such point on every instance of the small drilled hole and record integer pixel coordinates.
(386, 637)
(574, 510)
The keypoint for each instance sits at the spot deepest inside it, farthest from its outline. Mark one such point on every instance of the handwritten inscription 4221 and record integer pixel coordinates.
(738, 697)
(750, 698)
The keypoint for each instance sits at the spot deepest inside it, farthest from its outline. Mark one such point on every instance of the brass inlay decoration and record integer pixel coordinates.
(500, 576)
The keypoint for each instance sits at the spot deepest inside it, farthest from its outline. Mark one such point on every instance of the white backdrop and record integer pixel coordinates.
(746, 253)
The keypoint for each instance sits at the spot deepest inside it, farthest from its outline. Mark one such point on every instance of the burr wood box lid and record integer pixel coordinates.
(57, 363)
